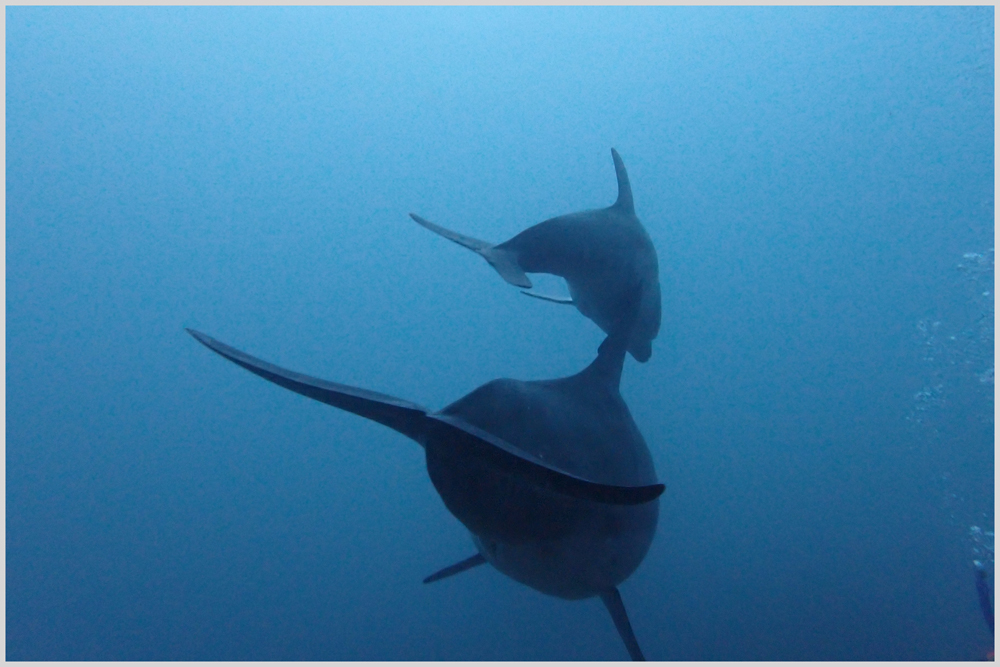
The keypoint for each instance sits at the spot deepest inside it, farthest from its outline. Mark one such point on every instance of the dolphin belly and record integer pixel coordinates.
(596, 554)
(559, 545)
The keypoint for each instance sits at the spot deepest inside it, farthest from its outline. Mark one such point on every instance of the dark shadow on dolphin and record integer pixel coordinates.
(602, 254)
(551, 477)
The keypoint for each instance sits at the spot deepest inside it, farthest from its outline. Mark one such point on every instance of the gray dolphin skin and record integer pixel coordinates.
(552, 477)
(604, 255)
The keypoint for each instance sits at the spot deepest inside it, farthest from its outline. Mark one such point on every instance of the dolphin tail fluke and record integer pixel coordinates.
(402, 416)
(506, 265)
(457, 568)
(504, 261)
(613, 601)
(624, 201)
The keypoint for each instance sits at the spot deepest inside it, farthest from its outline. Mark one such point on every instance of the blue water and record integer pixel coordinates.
(812, 178)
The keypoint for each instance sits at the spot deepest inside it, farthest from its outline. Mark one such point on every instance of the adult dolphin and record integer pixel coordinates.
(551, 477)
(605, 256)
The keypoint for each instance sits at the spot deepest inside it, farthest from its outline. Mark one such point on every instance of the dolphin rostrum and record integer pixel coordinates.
(602, 254)
(551, 477)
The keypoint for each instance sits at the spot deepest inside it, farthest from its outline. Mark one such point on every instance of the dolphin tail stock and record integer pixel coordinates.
(613, 601)
(457, 568)
(504, 261)
(624, 201)
(402, 416)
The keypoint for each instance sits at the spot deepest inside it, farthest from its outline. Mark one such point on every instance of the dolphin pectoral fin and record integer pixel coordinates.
(613, 601)
(566, 300)
(402, 416)
(504, 261)
(452, 570)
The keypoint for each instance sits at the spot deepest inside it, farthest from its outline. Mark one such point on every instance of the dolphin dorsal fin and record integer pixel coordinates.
(624, 201)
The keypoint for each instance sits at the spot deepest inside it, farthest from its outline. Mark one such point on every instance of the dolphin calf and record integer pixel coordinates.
(552, 478)
(605, 256)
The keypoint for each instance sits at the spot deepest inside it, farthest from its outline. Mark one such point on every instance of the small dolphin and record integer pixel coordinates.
(552, 477)
(602, 254)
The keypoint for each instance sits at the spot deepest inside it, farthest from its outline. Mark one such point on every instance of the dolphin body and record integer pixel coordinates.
(551, 477)
(605, 256)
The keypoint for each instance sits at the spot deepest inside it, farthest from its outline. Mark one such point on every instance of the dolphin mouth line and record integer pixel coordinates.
(414, 422)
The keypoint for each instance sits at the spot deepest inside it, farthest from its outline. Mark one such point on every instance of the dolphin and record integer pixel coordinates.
(604, 255)
(552, 478)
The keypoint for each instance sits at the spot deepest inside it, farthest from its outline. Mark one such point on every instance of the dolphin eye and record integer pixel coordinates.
(491, 547)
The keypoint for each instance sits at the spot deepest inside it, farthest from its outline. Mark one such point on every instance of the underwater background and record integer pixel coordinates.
(818, 183)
